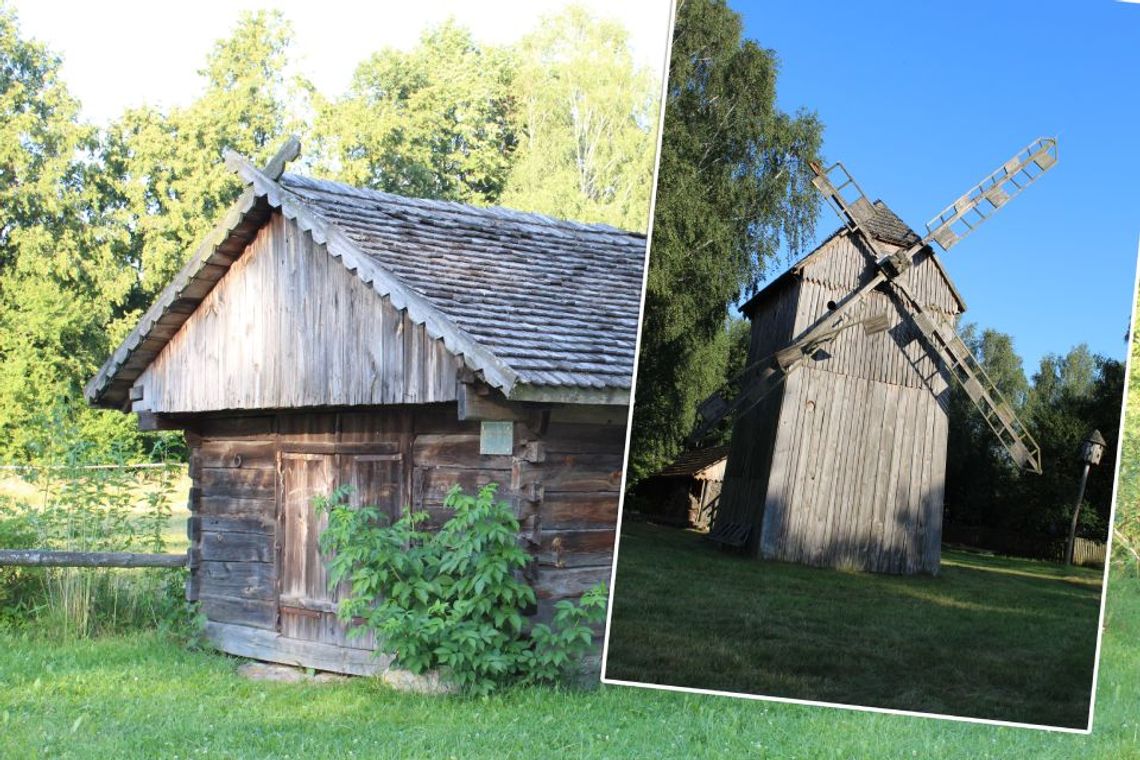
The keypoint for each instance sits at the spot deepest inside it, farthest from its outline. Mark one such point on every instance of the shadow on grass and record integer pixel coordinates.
(989, 637)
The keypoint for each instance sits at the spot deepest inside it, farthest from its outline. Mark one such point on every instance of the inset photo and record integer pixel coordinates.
(877, 412)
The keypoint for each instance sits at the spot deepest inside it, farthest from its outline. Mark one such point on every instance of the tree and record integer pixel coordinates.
(733, 187)
(586, 121)
(91, 226)
(166, 171)
(980, 478)
(60, 276)
(1072, 395)
(433, 122)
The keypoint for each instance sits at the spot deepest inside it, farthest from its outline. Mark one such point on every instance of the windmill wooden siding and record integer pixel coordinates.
(303, 347)
(845, 464)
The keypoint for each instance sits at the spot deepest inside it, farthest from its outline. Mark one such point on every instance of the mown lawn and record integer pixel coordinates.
(143, 696)
(990, 637)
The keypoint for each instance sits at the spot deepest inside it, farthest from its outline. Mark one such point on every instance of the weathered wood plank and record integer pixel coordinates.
(262, 523)
(573, 472)
(486, 404)
(273, 647)
(778, 492)
(584, 438)
(233, 454)
(567, 510)
(228, 505)
(236, 547)
(237, 483)
(823, 533)
(433, 483)
(455, 450)
(246, 580)
(255, 613)
(280, 330)
(871, 458)
(576, 548)
(563, 583)
(590, 414)
(236, 427)
(339, 447)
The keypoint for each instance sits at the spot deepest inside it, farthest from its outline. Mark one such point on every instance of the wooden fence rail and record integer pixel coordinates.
(144, 466)
(44, 558)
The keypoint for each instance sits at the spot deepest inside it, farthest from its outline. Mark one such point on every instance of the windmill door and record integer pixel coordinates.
(307, 604)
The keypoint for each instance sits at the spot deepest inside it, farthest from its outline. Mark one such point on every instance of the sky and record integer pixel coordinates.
(118, 54)
(921, 101)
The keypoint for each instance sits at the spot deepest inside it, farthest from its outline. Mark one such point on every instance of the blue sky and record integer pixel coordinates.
(922, 100)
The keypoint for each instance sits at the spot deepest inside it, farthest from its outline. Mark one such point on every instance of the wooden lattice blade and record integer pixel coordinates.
(964, 215)
(985, 396)
(844, 195)
(752, 391)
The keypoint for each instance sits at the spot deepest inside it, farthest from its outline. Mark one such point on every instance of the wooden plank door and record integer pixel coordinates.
(307, 605)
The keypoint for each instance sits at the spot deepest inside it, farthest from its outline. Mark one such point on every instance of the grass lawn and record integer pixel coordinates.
(990, 637)
(143, 696)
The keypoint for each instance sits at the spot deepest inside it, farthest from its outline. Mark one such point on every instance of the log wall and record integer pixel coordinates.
(282, 329)
(562, 478)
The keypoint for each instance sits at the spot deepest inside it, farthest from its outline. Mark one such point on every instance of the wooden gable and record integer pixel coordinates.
(843, 263)
(288, 326)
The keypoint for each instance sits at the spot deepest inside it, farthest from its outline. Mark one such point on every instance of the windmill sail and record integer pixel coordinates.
(965, 369)
(752, 390)
(964, 215)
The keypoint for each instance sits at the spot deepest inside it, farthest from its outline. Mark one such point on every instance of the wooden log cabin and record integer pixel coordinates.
(323, 334)
(845, 464)
(686, 492)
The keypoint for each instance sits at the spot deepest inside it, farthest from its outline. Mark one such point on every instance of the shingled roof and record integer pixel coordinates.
(540, 308)
(694, 461)
(556, 301)
(884, 225)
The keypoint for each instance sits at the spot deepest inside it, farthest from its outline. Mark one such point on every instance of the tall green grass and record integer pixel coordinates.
(69, 503)
(1126, 530)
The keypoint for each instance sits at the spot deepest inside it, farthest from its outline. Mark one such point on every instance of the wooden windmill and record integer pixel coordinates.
(838, 451)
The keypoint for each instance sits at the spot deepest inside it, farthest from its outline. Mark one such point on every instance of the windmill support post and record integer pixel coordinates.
(46, 558)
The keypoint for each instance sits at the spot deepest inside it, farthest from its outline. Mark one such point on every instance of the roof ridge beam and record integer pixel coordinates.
(288, 151)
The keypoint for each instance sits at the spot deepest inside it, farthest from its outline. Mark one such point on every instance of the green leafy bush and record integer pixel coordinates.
(19, 586)
(452, 600)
